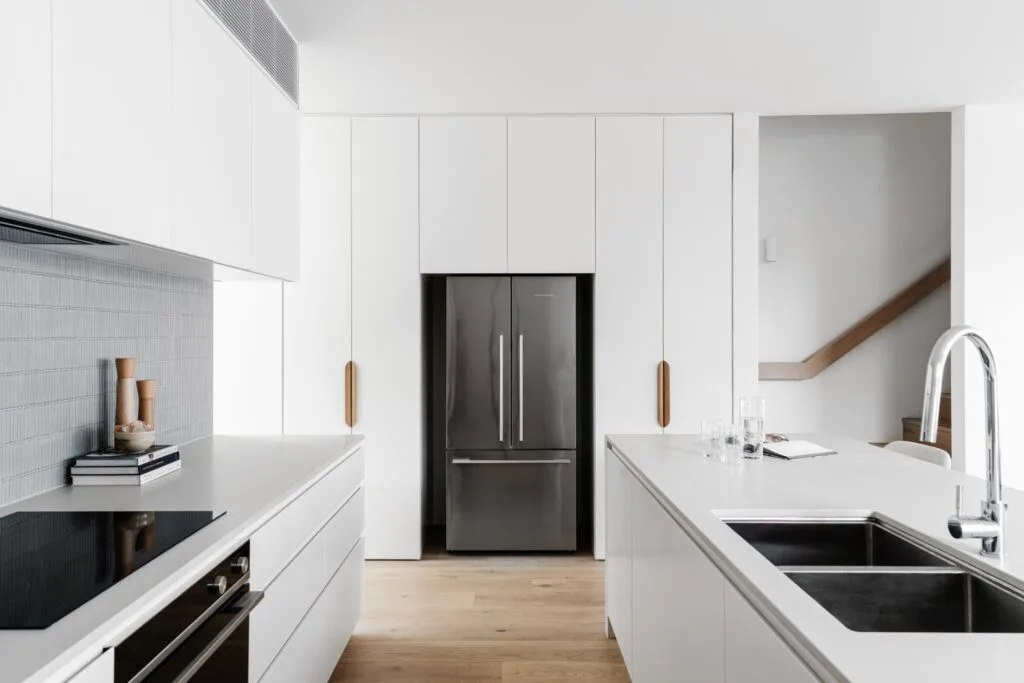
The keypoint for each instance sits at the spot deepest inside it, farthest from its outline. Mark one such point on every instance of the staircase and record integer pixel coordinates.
(912, 427)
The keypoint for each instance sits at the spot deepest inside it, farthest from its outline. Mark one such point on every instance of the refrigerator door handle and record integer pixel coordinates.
(470, 461)
(501, 388)
(520, 388)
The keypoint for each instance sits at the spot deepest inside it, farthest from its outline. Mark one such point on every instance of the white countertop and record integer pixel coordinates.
(861, 480)
(251, 478)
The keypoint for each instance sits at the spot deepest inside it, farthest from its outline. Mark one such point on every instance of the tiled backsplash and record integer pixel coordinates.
(65, 314)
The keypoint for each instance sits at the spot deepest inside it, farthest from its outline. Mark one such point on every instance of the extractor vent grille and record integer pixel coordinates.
(256, 27)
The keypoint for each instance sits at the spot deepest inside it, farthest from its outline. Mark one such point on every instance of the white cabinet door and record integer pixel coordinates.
(618, 569)
(463, 195)
(318, 308)
(275, 180)
(210, 138)
(678, 623)
(698, 268)
(753, 651)
(551, 195)
(111, 116)
(313, 650)
(386, 331)
(25, 107)
(100, 670)
(627, 286)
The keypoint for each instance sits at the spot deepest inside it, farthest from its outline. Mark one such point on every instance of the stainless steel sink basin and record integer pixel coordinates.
(874, 576)
(840, 543)
(949, 601)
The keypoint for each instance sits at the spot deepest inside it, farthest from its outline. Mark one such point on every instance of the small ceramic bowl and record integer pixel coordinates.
(134, 442)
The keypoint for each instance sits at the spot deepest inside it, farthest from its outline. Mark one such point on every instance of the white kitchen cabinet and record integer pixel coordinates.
(25, 106)
(627, 286)
(312, 652)
(211, 137)
(275, 180)
(112, 116)
(386, 330)
(678, 621)
(618, 568)
(551, 166)
(318, 308)
(698, 268)
(99, 670)
(753, 651)
(463, 195)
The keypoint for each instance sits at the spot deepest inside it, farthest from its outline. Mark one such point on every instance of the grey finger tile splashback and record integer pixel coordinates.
(65, 314)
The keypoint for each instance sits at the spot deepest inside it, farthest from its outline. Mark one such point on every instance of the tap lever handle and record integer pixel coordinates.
(959, 500)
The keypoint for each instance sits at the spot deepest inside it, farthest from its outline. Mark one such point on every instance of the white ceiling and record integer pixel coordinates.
(768, 56)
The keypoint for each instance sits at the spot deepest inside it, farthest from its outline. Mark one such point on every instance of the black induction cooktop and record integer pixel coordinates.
(52, 563)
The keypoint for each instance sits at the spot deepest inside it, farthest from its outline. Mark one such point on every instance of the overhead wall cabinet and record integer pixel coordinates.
(551, 167)
(25, 92)
(149, 123)
(462, 169)
(211, 207)
(111, 117)
(275, 180)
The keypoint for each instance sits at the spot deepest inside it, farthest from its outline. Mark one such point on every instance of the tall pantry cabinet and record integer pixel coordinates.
(357, 304)
(663, 282)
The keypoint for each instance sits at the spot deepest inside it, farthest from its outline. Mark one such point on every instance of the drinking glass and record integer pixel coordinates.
(752, 420)
(711, 438)
(732, 444)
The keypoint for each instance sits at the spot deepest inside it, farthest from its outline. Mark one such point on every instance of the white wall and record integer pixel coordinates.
(247, 357)
(654, 56)
(988, 249)
(860, 208)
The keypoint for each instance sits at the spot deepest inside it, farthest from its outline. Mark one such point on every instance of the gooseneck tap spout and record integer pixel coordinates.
(990, 526)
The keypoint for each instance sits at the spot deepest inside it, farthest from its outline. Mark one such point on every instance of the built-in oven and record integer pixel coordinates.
(203, 636)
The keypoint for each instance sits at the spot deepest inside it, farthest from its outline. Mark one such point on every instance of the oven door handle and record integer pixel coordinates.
(245, 605)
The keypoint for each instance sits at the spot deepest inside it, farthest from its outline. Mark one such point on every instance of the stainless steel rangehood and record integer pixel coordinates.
(25, 228)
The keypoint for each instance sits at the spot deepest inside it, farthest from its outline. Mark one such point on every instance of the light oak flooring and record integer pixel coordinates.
(506, 618)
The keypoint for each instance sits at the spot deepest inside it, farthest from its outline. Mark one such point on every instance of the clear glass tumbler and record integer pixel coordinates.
(732, 444)
(752, 421)
(711, 438)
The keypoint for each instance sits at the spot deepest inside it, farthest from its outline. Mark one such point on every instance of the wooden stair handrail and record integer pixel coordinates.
(856, 335)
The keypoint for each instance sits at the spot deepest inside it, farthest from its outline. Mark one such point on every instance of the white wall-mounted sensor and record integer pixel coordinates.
(771, 249)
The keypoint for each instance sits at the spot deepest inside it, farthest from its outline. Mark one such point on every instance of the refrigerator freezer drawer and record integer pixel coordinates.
(511, 501)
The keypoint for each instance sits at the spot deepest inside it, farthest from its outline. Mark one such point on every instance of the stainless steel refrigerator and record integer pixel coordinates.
(511, 411)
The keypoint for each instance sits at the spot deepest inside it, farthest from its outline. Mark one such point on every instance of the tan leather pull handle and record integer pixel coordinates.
(350, 394)
(664, 394)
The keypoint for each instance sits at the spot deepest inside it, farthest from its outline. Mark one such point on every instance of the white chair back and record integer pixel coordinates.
(921, 451)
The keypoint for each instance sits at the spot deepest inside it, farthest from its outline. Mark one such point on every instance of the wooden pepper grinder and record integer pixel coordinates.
(125, 412)
(147, 401)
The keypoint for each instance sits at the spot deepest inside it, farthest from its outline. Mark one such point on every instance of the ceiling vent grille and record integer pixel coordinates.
(256, 27)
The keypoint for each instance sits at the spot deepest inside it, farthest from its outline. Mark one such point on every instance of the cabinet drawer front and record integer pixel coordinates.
(280, 539)
(285, 603)
(343, 531)
(312, 652)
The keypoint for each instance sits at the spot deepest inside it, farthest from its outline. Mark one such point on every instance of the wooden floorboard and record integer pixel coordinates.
(465, 619)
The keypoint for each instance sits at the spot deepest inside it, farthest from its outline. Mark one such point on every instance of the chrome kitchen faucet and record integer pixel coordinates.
(990, 526)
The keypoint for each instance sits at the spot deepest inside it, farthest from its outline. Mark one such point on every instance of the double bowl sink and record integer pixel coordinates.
(872, 576)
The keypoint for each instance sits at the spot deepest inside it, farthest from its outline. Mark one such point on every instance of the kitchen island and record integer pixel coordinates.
(296, 500)
(689, 599)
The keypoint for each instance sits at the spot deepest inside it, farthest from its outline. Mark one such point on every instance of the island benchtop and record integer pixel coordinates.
(250, 478)
(860, 481)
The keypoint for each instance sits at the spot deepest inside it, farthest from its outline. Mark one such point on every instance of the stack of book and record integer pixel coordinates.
(114, 468)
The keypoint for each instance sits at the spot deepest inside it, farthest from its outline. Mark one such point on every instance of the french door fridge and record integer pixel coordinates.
(511, 411)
